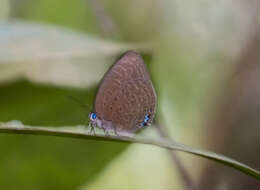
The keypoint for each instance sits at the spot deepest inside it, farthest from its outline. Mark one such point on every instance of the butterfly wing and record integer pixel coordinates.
(132, 103)
(126, 93)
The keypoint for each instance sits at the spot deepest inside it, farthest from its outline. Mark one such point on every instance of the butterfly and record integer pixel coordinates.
(126, 99)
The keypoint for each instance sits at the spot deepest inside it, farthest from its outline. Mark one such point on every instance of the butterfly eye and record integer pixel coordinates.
(93, 116)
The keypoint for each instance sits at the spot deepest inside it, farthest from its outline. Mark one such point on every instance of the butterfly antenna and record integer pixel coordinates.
(84, 106)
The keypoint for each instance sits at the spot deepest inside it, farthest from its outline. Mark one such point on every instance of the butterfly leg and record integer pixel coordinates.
(92, 129)
(111, 127)
(105, 130)
(115, 132)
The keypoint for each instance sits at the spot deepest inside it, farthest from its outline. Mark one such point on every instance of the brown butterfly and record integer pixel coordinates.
(126, 99)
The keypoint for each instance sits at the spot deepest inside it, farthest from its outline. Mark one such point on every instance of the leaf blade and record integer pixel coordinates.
(81, 134)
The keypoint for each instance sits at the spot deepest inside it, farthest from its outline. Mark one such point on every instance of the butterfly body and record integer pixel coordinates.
(126, 99)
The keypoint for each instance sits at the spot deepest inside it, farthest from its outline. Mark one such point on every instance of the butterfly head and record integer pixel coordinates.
(93, 118)
(96, 121)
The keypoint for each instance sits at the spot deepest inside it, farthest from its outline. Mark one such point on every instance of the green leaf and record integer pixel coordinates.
(50, 54)
(47, 162)
(4, 9)
(164, 143)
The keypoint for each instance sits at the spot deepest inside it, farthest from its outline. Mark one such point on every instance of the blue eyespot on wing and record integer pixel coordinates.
(146, 119)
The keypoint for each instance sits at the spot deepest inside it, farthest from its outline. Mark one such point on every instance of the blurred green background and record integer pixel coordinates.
(203, 59)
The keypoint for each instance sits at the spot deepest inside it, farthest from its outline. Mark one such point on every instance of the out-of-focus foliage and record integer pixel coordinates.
(193, 49)
(75, 14)
(48, 163)
(53, 47)
(236, 121)
(4, 9)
